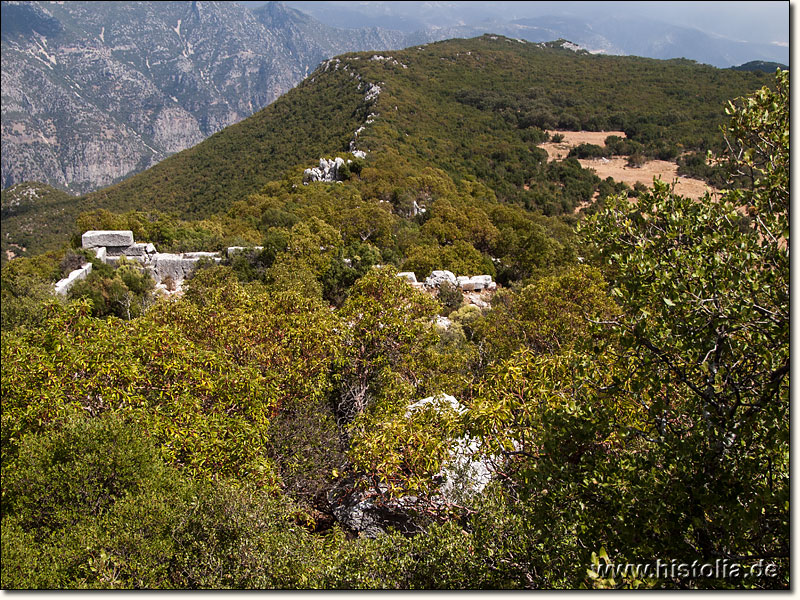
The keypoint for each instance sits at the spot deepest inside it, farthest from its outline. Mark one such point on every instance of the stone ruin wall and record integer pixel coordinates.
(170, 270)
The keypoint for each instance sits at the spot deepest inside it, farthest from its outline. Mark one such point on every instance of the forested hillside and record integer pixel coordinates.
(300, 416)
(474, 108)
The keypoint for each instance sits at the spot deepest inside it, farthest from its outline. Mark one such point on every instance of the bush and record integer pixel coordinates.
(636, 160)
(240, 537)
(26, 284)
(93, 505)
(588, 151)
(63, 476)
(450, 297)
(72, 260)
(125, 293)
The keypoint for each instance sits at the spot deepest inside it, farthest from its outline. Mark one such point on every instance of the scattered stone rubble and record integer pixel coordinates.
(111, 245)
(476, 283)
(371, 511)
(478, 289)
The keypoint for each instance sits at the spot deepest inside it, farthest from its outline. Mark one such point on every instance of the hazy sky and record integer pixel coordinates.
(752, 21)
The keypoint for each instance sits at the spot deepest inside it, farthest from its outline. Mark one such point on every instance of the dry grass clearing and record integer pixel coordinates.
(616, 167)
(575, 138)
(667, 171)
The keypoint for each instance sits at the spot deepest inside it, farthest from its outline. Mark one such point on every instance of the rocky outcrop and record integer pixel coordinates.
(466, 473)
(371, 510)
(409, 276)
(475, 283)
(442, 322)
(328, 171)
(438, 402)
(477, 290)
(437, 278)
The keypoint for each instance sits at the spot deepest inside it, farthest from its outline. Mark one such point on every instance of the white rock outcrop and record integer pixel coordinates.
(328, 171)
(372, 93)
(234, 250)
(437, 401)
(465, 473)
(408, 276)
(477, 283)
(442, 322)
(371, 510)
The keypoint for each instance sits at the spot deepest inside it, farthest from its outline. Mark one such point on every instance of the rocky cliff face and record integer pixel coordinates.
(94, 91)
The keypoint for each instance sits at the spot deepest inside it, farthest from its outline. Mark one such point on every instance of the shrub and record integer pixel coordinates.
(636, 160)
(588, 151)
(63, 476)
(72, 260)
(450, 297)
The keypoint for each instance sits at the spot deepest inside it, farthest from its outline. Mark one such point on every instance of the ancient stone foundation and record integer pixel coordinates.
(110, 246)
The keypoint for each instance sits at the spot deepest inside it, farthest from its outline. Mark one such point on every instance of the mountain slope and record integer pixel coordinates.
(105, 90)
(96, 91)
(310, 120)
(93, 91)
(25, 232)
(468, 106)
(477, 109)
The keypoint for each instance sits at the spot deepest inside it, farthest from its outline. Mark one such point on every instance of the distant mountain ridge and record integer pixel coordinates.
(761, 65)
(94, 91)
(610, 29)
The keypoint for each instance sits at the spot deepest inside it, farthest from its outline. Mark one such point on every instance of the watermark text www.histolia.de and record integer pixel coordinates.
(721, 568)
